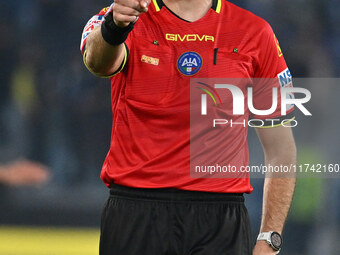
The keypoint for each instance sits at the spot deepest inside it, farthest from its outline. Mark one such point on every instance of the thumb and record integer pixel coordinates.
(144, 3)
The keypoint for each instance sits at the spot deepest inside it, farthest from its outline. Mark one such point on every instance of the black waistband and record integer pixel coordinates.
(171, 194)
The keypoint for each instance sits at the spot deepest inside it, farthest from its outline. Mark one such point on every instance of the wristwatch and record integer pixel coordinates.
(274, 239)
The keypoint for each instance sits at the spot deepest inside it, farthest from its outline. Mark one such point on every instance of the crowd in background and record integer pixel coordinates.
(53, 111)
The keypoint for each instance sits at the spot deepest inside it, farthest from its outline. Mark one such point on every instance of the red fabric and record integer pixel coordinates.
(150, 144)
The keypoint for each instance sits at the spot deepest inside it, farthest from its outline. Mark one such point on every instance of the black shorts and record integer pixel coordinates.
(174, 222)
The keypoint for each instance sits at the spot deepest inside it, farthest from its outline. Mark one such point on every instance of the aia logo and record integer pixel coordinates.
(189, 63)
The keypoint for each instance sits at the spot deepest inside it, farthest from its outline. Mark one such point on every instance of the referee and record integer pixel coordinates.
(150, 50)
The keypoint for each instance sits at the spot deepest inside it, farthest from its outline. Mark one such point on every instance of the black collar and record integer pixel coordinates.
(161, 4)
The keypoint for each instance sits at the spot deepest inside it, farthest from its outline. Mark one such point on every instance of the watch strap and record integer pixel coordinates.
(266, 236)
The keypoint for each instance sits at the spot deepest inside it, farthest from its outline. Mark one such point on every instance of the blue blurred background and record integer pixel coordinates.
(53, 111)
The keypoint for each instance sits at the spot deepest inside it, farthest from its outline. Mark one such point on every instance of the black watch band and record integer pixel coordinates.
(113, 34)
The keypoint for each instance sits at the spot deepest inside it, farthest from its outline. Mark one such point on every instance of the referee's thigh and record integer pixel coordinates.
(151, 227)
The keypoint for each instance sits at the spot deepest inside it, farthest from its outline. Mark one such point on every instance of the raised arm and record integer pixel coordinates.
(102, 58)
(104, 51)
(279, 149)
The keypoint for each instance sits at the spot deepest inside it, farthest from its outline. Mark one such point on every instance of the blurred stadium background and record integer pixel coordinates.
(52, 110)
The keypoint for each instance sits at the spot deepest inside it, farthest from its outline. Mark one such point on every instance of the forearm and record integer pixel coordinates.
(101, 57)
(278, 194)
(105, 56)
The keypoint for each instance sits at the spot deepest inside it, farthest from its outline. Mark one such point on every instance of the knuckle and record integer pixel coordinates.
(135, 5)
(131, 18)
(134, 12)
(117, 9)
(118, 16)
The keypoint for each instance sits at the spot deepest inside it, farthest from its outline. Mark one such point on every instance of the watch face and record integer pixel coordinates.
(276, 240)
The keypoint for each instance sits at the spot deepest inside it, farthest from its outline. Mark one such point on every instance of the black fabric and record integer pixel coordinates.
(160, 4)
(174, 222)
(176, 14)
(113, 34)
(214, 4)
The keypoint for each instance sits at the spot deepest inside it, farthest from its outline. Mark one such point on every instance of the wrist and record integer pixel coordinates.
(273, 240)
(112, 33)
(262, 248)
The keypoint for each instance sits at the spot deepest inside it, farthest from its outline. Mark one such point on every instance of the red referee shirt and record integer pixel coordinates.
(150, 144)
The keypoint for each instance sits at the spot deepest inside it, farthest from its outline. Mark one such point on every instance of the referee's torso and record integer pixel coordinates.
(155, 207)
(150, 145)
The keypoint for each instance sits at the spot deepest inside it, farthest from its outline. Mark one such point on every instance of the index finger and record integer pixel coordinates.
(145, 3)
(134, 4)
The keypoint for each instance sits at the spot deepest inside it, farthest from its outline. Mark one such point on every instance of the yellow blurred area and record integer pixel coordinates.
(48, 241)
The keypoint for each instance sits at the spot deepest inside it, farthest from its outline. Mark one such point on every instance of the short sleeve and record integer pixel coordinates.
(269, 60)
(271, 72)
(94, 22)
